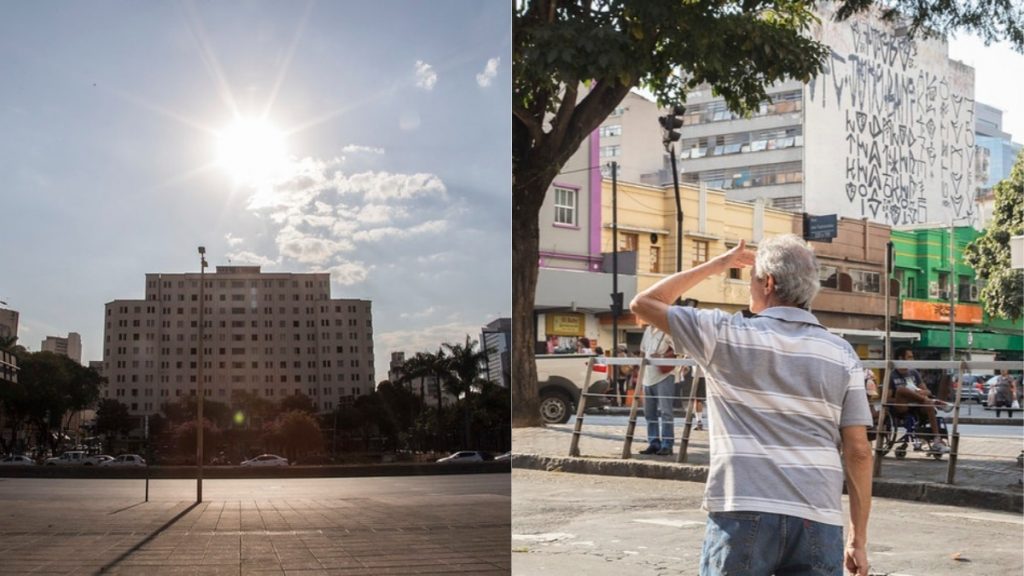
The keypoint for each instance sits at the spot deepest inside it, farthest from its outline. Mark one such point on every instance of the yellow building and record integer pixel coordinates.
(647, 240)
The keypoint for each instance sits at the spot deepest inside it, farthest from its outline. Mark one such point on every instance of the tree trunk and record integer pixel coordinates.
(525, 244)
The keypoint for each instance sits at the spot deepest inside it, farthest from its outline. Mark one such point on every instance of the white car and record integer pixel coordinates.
(96, 460)
(126, 460)
(17, 460)
(266, 460)
(67, 458)
(464, 456)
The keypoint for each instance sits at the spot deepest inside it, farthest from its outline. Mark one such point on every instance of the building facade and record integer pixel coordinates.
(70, 346)
(885, 132)
(272, 334)
(928, 281)
(8, 323)
(496, 341)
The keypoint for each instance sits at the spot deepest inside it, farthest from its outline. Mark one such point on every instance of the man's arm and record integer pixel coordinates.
(857, 459)
(652, 304)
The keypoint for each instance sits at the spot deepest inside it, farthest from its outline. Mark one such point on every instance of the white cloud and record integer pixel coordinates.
(426, 78)
(484, 78)
(348, 273)
(356, 149)
(423, 338)
(319, 216)
(244, 257)
(421, 314)
(232, 241)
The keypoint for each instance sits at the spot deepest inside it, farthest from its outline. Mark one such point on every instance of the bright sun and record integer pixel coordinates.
(253, 152)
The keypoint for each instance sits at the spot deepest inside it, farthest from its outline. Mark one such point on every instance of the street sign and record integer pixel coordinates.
(820, 228)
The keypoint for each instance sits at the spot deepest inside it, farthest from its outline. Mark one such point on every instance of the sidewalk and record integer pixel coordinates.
(987, 474)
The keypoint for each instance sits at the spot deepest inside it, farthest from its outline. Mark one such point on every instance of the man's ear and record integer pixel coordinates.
(769, 284)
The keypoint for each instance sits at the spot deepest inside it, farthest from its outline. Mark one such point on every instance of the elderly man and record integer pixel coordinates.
(787, 397)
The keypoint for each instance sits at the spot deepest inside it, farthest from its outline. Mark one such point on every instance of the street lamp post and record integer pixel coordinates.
(199, 378)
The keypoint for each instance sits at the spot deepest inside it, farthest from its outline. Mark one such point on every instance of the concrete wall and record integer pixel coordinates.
(889, 130)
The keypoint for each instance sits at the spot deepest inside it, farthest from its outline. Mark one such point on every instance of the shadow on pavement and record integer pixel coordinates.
(103, 569)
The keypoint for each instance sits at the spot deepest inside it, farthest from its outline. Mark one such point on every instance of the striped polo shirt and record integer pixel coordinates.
(780, 387)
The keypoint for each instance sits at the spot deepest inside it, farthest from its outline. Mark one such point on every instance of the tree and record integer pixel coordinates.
(113, 419)
(989, 254)
(574, 60)
(253, 407)
(299, 402)
(426, 366)
(49, 387)
(300, 433)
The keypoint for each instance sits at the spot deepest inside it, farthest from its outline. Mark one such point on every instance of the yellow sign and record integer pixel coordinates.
(939, 312)
(567, 324)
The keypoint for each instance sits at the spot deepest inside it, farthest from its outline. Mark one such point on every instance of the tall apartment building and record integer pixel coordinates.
(885, 132)
(70, 346)
(496, 340)
(8, 323)
(272, 334)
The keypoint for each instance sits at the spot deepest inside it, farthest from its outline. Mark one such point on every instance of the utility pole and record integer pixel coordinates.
(952, 293)
(199, 377)
(616, 295)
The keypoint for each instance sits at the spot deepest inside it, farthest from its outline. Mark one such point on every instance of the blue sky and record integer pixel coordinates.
(398, 176)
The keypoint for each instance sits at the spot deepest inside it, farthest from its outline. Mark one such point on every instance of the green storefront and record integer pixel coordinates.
(926, 278)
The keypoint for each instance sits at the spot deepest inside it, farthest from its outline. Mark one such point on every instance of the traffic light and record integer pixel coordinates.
(670, 123)
(616, 303)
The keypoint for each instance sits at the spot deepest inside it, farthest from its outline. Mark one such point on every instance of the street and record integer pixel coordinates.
(966, 430)
(355, 526)
(609, 526)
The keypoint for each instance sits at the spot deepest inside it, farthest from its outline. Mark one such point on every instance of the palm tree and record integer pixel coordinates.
(423, 366)
(464, 368)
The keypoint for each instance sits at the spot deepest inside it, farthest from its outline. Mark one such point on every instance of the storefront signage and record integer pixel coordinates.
(565, 324)
(925, 311)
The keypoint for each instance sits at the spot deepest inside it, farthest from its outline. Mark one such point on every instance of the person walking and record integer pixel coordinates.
(790, 417)
(659, 389)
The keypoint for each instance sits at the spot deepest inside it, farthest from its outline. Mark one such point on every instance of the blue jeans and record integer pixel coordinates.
(761, 543)
(658, 404)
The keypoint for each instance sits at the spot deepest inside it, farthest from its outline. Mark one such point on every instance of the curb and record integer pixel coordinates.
(926, 492)
(236, 472)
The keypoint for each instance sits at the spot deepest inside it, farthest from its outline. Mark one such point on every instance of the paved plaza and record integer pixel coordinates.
(456, 524)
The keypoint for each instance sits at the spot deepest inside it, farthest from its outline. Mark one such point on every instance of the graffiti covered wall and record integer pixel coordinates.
(889, 128)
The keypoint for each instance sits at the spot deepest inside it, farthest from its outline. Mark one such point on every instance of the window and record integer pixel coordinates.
(565, 206)
(655, 260)
(827, 276)
(700, 252)
(611, 151)
(611, 130)
(864, 281)
(628, 242)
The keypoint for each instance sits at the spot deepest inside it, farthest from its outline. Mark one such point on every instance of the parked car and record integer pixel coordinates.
(466, 456)
(17, 460)
(96, 459)
(266, 460)
(973, 388)
(71, 457)
(125, 460)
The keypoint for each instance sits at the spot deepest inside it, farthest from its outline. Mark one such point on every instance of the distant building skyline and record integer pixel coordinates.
(70, 346)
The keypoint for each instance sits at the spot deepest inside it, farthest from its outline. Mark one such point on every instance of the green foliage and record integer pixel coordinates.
(299, 433)
(991, 20)
(185, 439)
(299, 402)
(113, 418)
(989, 254)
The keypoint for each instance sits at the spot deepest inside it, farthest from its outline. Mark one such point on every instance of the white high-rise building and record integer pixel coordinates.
(272, 334)
(70, 346)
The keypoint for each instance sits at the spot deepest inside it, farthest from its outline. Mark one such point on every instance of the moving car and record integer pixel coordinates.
(466, 456)
(17, 460)
(125, 460)
(266, 460)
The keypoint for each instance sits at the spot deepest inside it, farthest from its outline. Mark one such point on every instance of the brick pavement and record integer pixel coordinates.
(354, 536)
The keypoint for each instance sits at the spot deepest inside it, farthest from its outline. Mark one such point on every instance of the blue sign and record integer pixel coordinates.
(820, 228)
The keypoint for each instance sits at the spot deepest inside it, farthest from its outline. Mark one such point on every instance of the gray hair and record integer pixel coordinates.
(791, 262)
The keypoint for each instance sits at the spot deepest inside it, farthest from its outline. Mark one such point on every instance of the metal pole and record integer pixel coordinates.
(199, 384)
(889, 265)
(679, 210)
(615, 278)
(952, 293)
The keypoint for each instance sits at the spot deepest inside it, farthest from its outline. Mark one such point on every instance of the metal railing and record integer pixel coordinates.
(958, 368)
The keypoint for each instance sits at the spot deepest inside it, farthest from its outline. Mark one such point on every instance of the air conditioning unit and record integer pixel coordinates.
(974, 293)
(933, 289)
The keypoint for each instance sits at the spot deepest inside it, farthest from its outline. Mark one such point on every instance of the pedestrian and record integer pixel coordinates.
(659, 390)
(790, 411)
(623, 376)
(1005, 393)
